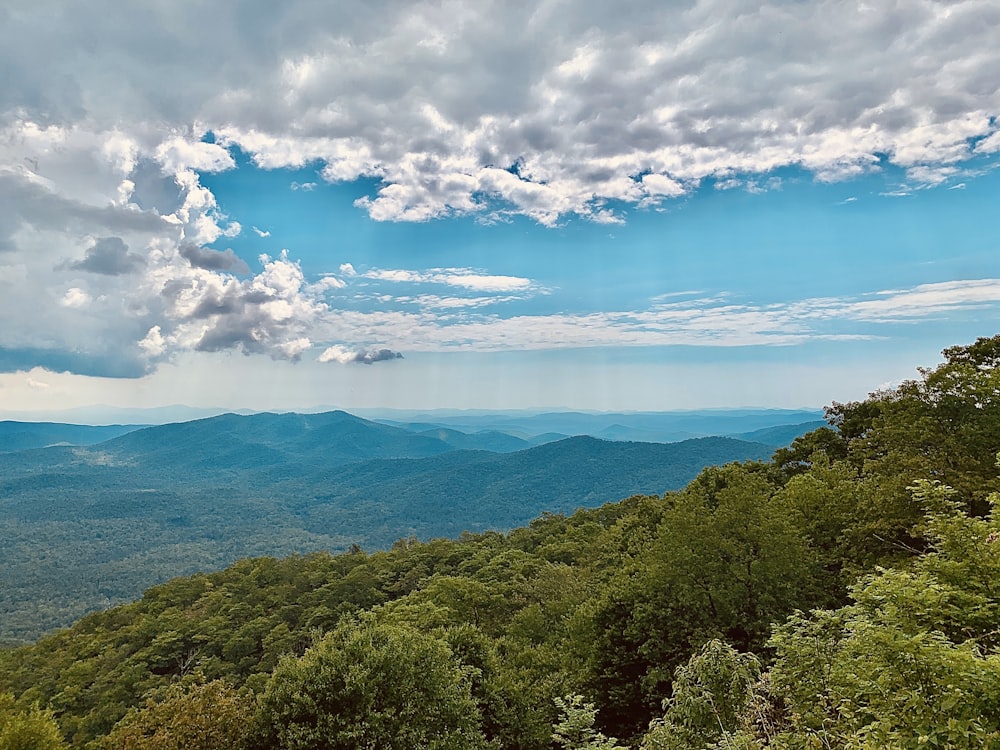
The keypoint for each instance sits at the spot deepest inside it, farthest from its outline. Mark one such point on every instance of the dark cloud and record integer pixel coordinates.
(376, 355)
(229, 303)
(253, 332)
(109, 256)
(345, 356)
(269, 313)
(153, 190)
(104, 360)
(213, 260)
(24, 201)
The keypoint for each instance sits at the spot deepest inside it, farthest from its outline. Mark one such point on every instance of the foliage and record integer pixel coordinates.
(575, 730)
(89, 528)
(30, 729)
(944, 426)
(710, 696)
(209, 716)
(371, 685)
(914, 661)
(728, 558)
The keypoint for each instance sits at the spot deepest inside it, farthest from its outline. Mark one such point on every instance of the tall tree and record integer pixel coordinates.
(371, 686)
(913, 662)
(27, 729)
(209, 716)
(729, 558)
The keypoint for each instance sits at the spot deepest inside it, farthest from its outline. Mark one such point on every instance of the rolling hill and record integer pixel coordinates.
(86, 527)
(19, 436)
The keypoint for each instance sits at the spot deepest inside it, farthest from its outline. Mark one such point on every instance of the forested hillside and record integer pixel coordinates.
(19, 436)
(86, 528)
(840, 595)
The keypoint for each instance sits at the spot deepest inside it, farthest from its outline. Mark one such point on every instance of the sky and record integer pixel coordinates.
(492, 205)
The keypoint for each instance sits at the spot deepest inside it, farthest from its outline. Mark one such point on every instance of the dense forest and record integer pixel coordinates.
(87, 528)
(843, 594)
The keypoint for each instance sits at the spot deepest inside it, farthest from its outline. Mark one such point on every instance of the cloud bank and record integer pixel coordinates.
(544, 109)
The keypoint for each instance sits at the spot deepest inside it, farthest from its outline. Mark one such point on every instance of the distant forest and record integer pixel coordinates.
(840, 593)
(88, 527)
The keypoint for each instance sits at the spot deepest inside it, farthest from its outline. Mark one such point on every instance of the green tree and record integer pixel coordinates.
(729, 558)
(710, 696)
(30, 729)
(373, 686)
(575, 730)
(943, 426)
(914, 661)
(209, 716)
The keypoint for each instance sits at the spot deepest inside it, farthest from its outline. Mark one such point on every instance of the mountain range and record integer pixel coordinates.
(497, 431)
(89, 525)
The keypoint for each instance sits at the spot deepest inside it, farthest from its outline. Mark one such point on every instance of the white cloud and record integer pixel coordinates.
(925, 301)
(35, 384)
(328, 282)
(398, 275)
(658, 184)
(203, 310)
(926, 176)
(337, 353)
(433, 301)
(179, 154)
(441, 324)
(76, 297)
(573, 109)
(457, 277)
(990, 144)
(344, 355)
(482, 282)
(429, 98)
(260, 232)
(153, 343)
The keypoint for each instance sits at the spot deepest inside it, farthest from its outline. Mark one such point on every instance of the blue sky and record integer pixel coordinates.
(678, 208)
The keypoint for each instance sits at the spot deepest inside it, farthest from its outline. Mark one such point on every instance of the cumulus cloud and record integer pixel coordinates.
(180, 154)
(575, 109)
(269, 313)
(75, 297)
(97, 284)
(573, 106)
(328, 282)
(343, 355)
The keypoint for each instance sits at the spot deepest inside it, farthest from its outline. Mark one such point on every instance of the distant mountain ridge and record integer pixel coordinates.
(18, 436)
(781, 435)
(333, 437)
(494, 432)
(659, 427)
(113, 518)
